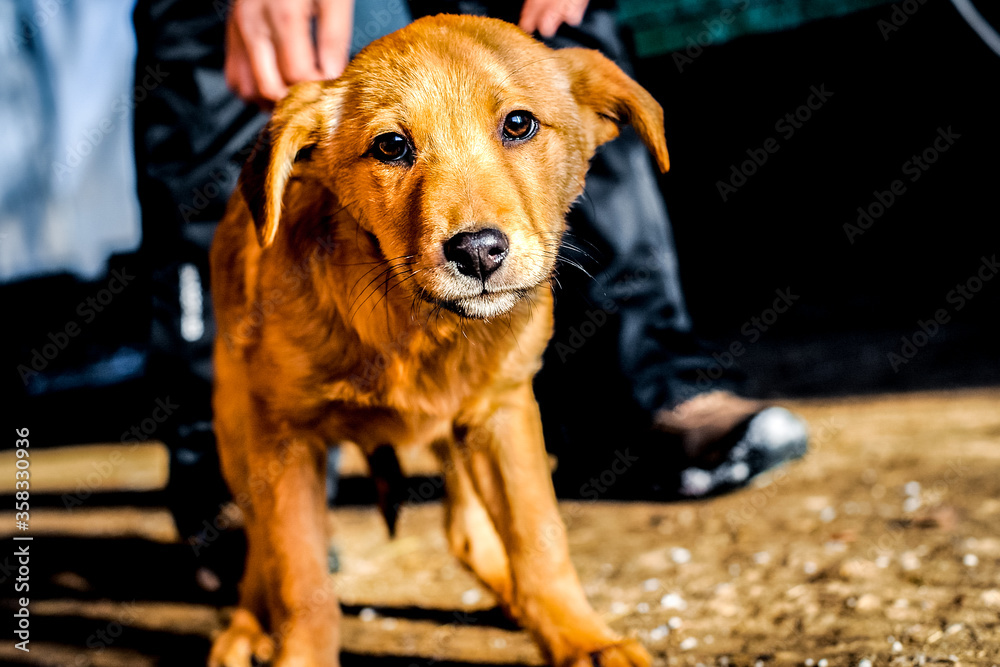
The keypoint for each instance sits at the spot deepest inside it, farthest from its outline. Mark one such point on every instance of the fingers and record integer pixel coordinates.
(269, 45)
(291, 40)
(334, 20)
(545, 16)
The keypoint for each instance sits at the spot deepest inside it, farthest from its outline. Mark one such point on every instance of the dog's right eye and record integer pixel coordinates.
(390, 147)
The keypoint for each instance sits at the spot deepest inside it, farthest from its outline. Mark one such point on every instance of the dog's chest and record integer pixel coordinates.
(411, 392)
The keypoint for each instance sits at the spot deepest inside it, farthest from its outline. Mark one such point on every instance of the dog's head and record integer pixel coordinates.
(458, 144)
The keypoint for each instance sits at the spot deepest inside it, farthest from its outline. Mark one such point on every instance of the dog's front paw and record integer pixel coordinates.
(626, 653)
(242, 643)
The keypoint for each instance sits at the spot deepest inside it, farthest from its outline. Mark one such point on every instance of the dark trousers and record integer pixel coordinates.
(623, 346)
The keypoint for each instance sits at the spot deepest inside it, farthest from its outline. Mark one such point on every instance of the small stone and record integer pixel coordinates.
(680, 555)
(868, 602)
(673, 601)
(762, 558)
(970, 560)
(882, 562)
(822, 663)
(810, 568)
(991, 598)
(909, 561)
(651, 585)
(471, 597)
(828, 514)
(835, 547)
(659, 633)
(912, 489)
(911, 505)
(367, 614)
(675, 622)
(739, 472)
(858, 568)
(865, 663)
(619, 608)
(688, 644)
(810, 662)
(897, 647)
(642, 607)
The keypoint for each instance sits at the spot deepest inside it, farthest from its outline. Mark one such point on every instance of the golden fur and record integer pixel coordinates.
(341, 319)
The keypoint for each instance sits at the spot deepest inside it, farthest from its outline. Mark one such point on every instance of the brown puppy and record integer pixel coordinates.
(383, 278)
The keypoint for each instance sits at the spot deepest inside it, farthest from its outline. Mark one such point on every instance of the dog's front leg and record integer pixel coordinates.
(505, 453)
(287, 538)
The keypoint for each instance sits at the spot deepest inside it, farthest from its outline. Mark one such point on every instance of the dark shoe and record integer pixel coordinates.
(721, 441)
(765, 441)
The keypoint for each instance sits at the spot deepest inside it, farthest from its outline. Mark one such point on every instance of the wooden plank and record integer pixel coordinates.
(88, 469)
(103, 468)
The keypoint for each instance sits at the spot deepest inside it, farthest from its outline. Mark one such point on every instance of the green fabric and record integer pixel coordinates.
(664, 26)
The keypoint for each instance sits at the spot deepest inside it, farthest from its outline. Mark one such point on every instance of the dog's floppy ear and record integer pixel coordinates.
(298, 123)
(610, 97)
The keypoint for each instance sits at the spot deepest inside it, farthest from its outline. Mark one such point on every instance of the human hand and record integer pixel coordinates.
(269, 45)
(546, 16)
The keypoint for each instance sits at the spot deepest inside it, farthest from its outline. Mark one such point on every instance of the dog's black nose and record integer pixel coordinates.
(477, 254)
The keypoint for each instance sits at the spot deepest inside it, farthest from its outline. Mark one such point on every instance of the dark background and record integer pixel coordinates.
(783, 229)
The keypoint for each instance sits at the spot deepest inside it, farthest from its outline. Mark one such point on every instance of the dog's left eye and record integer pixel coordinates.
(519, 126)
(390, 147)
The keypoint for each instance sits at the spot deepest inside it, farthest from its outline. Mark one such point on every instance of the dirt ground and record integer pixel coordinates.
(882, 545)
